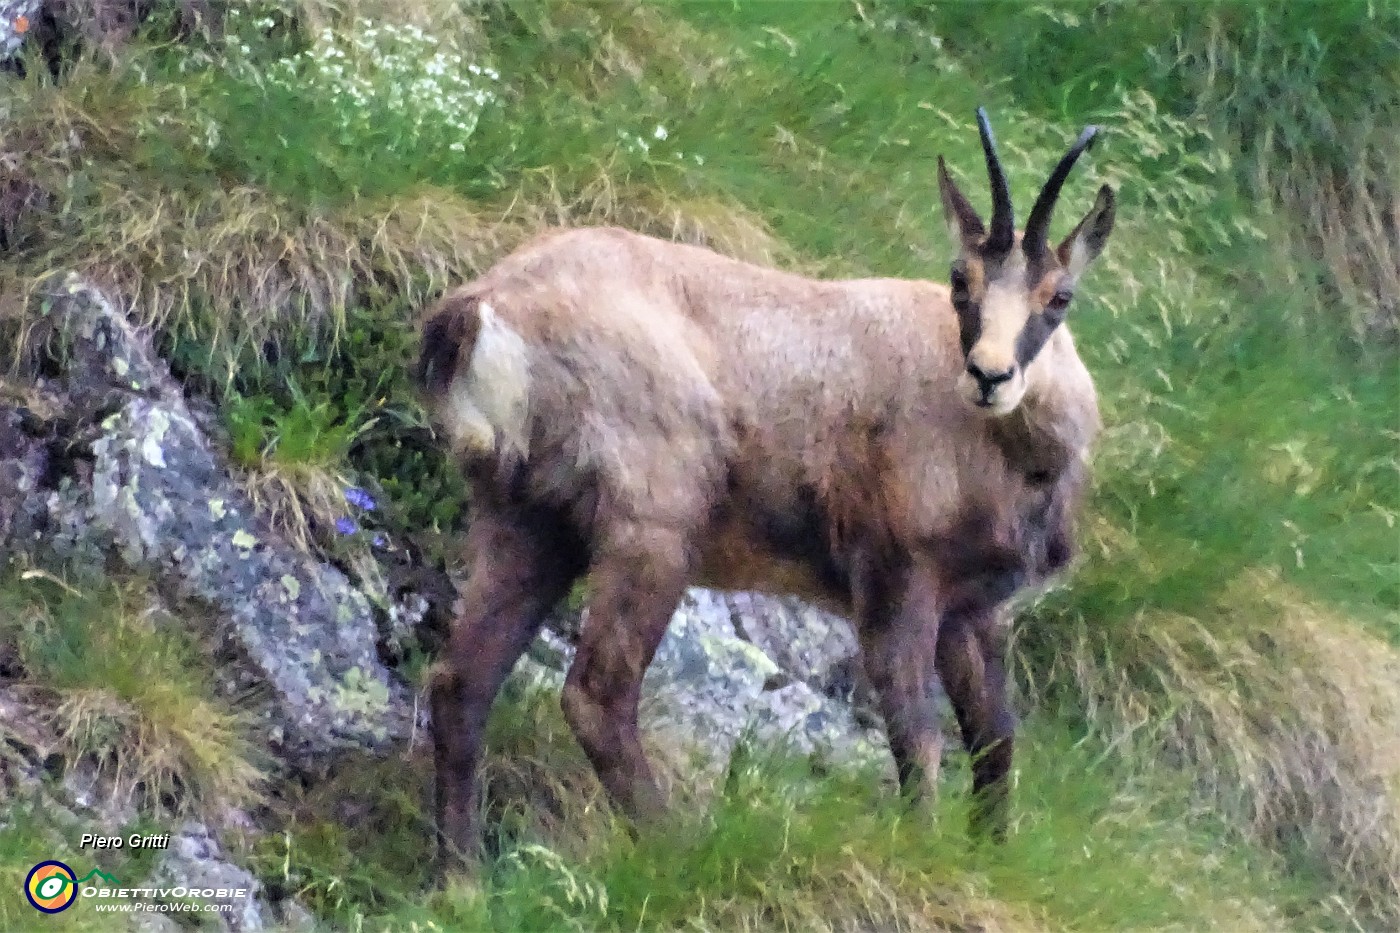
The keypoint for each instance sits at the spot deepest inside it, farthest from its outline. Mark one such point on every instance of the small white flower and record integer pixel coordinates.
(659, 132)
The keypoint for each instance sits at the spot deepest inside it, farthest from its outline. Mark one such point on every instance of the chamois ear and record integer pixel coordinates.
(964, 224)
(1087, 239)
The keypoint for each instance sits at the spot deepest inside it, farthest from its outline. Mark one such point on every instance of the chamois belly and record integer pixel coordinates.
(782, 551)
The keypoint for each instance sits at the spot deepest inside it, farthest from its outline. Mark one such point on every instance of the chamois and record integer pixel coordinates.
(654, 414)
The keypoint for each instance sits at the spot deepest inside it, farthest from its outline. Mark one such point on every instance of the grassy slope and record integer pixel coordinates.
(1212, 728)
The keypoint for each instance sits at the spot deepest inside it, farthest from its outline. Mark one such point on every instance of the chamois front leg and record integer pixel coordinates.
(971, 662)
(637, 580)
(521, 565)
(898, 625)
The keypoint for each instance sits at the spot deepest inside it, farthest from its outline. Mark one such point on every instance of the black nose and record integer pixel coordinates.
(988, 381)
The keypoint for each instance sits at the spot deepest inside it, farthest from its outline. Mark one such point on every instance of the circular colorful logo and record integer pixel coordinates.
(51, 887)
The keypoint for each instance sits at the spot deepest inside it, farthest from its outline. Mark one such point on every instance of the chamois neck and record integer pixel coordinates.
(1056, 421)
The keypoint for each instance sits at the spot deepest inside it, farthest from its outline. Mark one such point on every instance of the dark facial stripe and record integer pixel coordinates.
(969, 326)
(1032, 338)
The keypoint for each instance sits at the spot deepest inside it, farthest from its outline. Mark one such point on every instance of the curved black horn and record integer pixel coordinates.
(1003, 221)
(1038, 224)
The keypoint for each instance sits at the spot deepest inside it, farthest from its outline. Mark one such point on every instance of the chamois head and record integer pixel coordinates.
(1012, 290)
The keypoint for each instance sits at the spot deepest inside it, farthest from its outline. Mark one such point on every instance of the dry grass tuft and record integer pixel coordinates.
(442, 16)
(127, 696)
(1351, 224)
(603, 198)
(1286, 714)
(296, 499)
(237, 267)
(861, 898)
(162, 749)
(541, 787)
(627, 40)
(538, 782)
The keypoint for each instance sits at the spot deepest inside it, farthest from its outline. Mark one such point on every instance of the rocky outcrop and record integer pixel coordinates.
(737, 667)
(811, 645)
(192, 863)
(120, 472)
(195, 862)
(713, 683)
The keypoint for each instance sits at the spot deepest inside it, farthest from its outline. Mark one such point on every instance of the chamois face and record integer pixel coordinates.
(1011, 291)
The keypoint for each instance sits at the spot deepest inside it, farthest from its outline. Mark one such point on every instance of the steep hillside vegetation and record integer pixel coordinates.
(1212, 698)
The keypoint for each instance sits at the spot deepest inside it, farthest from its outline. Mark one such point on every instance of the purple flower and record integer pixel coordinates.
(345, 526)
(379, 541)
(360, 499)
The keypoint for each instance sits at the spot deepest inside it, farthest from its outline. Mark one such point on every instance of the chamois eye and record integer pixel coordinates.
(1058, 302)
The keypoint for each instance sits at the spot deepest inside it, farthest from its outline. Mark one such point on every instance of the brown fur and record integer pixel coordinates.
(692, 418)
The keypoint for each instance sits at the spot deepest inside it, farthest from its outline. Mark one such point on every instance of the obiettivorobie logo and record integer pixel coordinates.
(52, 886)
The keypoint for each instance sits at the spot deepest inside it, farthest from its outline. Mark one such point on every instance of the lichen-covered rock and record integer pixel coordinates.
(814, 646)
(22, 467)
(700, 692)
(195, 861)
(161, 502)
(709, 687)
(798, 718)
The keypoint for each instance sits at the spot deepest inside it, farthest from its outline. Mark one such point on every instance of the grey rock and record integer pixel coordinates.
(709, 687)
(529, 675)
(811, 644)
(293, 917)
(160, 501)
(552, 650)
(803, 721)
(87, 788)
(700, 692)
(405, 616)
(22, 469)
(26, 743)
(32, 754)
(154, 923)
(195, 861)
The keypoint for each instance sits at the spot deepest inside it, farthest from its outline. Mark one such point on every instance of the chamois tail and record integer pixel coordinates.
(474, 370)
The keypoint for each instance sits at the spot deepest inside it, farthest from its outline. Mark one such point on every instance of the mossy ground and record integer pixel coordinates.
(1213, 697)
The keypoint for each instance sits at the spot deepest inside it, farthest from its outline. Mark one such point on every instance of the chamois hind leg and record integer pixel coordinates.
(971, 662)
(898, 626)
(522, 562)
(637, 579)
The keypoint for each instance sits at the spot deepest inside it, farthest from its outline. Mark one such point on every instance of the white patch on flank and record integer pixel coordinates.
(488, 407)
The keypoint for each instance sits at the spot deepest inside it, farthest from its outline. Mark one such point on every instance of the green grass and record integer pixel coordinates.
(1095, 845)
(1215, 687)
